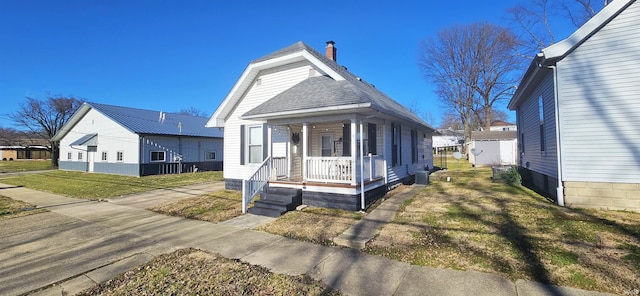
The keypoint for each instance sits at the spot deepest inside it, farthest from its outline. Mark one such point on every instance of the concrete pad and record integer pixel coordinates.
(240, 243)
(112, 270)
(248, 221)
(355, 273)
(290, 256)
(438, 281)
(528, 288)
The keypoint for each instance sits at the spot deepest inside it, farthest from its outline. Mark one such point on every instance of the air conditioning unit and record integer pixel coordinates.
(422, 177)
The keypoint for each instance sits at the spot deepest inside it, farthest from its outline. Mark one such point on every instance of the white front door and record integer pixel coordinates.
(91, 156)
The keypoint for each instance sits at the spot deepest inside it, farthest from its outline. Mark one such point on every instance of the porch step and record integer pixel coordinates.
(275, 201)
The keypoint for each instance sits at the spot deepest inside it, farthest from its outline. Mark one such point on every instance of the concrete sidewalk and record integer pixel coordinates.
(80, 243)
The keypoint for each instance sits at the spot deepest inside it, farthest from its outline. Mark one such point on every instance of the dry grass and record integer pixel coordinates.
(472, 223)
(316, 225)
(10, 208)
(214, 207)
(196, 272)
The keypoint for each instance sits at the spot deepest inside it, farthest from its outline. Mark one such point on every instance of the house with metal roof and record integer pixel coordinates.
(111, 139)
(578, 114)
(299, 128)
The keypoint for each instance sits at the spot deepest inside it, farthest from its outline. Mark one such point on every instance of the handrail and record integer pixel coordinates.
(255, 183)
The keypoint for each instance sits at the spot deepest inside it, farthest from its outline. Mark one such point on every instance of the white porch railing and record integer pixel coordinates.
(280, 167)
(374, 167)
(255, 183)
(329, 169)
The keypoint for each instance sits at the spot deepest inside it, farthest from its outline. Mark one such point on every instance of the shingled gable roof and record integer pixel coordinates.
(145, 122)
(552, 54)
(323, 93)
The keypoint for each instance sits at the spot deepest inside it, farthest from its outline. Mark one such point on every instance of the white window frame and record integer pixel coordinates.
(104, 156)
(80, 156)
(254, 145)
(69, 156)
(164, 156)
(330, 144)
(120, 156)
(208, 154)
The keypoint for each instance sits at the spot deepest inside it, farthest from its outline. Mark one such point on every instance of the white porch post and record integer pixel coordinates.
(354, 155)
(361, 169)
(270, 153)
(304, 151)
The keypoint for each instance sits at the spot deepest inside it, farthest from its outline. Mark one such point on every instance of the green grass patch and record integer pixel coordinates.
(24, 165)
(93, 186)
(214, 207)
(464, 220)
(10, 208)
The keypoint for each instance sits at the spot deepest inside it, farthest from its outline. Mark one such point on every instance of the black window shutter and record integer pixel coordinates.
(265, 140)
(242, 143)
(399, 145)
(346, 139)
(372, 139)
(394, 145)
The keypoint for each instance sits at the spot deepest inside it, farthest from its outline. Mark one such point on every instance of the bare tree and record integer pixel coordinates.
(472, 67)
(46, 117)
(537, 21)
(193, 111)
(424, 115)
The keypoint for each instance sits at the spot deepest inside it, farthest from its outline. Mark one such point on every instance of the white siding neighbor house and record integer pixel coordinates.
(296, 119)
(578, 114)
(126, 141)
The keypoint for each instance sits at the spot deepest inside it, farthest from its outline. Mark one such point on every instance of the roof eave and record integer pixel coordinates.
(75, 118)
(305, 112)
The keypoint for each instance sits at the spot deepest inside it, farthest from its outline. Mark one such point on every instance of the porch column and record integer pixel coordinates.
(354, 154)
(361, 167)
(304, 151)
(270, 152)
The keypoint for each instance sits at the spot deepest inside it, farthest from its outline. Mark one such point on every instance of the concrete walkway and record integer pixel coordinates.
(364, 230)
(81, 243)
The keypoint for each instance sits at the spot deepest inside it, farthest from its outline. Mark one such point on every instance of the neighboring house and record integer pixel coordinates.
(127, 141)
(493, 148)
(297, 119)
(448, 140)
(500, 125)
(578, 113)
(24, 152)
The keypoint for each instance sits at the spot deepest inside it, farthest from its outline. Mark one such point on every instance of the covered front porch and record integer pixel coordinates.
(336, 163)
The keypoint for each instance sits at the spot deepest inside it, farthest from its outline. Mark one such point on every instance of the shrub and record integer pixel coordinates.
(511, 176)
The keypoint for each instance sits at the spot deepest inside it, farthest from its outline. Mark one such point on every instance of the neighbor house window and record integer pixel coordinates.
(414, 146)
(396, 154)
(255, 144)
(68, 155)
(79, 155)
(210, 155)
(541, 115)
(120, 156)
(157, 156)
(104, 155)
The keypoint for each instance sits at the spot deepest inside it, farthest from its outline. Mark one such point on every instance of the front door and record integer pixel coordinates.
(91, 156)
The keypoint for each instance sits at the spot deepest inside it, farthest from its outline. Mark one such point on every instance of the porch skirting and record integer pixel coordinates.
(233, 184)
(349, 202)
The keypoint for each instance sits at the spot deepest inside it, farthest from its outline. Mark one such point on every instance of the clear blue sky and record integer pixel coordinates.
(171, 55)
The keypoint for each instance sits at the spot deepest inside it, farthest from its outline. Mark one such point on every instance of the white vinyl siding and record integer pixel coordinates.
(600, 106)
(273, 82)
(535, 158)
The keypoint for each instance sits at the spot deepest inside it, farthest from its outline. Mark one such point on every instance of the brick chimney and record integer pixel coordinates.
(331, 51)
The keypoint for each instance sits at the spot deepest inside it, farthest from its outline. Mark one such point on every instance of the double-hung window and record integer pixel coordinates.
(157, 156)
(255, 144)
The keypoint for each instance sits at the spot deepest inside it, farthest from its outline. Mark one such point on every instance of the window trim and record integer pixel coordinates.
(164, 156)
(69, 156)
(543, 140)
(80, 156)
(254, 145)
(208, 153)
(104, 156)
(120, 156)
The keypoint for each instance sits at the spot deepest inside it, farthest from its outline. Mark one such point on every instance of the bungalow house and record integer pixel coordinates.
(127, 141)
(578, 114)
(296, 119)
(493, 148)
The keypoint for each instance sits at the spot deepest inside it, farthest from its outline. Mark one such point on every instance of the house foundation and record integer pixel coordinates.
(612, 196)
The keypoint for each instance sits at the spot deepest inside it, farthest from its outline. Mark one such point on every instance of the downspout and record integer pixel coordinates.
(361, 168)
(560, 188)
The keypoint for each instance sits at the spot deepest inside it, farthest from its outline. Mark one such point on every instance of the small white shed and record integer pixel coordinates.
(493, 148)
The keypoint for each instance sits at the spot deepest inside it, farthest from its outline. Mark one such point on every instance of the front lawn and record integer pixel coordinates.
(93, 186)
(24, 165)
(214, 207)
(472, 223)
